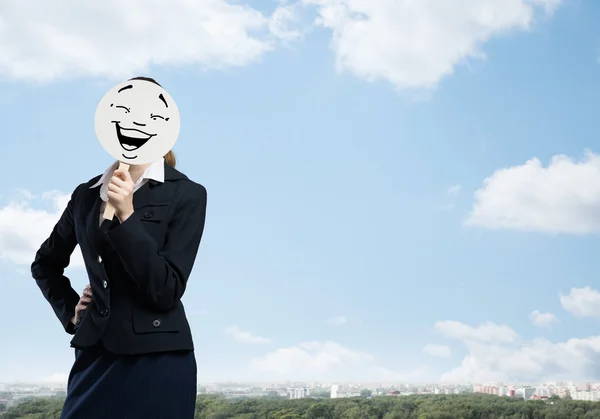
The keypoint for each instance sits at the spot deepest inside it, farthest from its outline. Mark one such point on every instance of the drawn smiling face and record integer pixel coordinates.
(137, 122)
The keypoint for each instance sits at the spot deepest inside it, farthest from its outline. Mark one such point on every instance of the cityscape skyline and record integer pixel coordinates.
(298, 389)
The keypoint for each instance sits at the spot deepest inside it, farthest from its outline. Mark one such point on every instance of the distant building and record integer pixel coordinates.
(351, 392)
(584, 387)
(526, 392)
(337, 393)
(487, 390)
(298, 393)
(591, 396)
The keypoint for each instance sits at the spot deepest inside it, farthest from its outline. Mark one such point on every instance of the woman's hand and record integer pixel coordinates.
(84, 301)
(120, 194)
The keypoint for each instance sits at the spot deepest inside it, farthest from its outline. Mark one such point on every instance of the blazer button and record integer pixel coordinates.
(105, 284)
(148, 215)
(104, 312)
(99, 259)
(156, 323)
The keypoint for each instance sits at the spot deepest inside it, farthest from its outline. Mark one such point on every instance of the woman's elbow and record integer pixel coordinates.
(168, 296)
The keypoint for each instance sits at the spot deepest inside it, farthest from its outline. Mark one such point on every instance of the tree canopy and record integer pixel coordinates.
(459, 406)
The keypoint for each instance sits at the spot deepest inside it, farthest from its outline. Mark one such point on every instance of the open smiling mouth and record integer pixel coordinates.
(131, 138)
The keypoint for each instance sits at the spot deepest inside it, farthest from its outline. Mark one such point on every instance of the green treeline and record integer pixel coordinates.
(460, 406)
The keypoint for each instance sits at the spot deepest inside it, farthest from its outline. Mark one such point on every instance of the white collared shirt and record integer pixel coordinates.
(156, 171)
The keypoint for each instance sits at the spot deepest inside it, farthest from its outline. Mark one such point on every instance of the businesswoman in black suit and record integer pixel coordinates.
(134, 350)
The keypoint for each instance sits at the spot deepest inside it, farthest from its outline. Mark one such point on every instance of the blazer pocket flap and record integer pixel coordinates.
(154, 213)
(148, 322)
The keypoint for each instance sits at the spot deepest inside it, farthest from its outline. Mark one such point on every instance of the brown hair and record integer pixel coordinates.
(170, 158)
(151, 80)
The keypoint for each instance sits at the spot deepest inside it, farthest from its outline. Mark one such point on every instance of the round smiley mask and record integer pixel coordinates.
(137, 122)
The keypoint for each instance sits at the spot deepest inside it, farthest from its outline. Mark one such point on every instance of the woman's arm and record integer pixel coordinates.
(162, 274)
(49, 265)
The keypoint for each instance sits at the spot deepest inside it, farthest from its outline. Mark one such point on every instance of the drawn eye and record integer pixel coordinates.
(157, 116)
(127, 110)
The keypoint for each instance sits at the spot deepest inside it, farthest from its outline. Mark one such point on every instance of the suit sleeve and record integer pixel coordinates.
(49, 265)
(162, 274)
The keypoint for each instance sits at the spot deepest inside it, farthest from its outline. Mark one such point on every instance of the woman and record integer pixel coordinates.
(134, 349)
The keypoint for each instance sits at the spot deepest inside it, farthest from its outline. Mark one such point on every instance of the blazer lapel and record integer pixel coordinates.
(93, 221)
(143, 196)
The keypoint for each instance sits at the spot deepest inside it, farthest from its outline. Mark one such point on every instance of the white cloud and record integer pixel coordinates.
(561, 198)
(451, 195)
(440, 351)
(411, 44)
(453, 190)
(281, 20)
(510, 358)
(486, 332)
(416, 43)
(537, 360)
(328, 361)
(51, 40)
(549, 5)
(337, 321)
(315, 357)
(245, 337)
(24, 228)
(420, 374)
(56, 378)
(542, 319)
(497, 353)
(582, 302)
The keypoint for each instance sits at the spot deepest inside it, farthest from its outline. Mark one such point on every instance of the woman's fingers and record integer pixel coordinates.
(88, 291)
(83, 304)
(115, 188)
(84, 301)
(118, 181)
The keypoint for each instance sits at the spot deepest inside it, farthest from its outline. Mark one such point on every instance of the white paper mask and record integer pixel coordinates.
(137, 122)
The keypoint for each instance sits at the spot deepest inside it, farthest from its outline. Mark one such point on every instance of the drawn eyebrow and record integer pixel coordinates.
(161, 97)
(129, 86)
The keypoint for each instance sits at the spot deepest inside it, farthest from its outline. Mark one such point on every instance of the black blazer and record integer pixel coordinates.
(137, 270)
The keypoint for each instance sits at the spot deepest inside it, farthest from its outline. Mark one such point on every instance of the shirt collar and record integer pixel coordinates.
(156, 171)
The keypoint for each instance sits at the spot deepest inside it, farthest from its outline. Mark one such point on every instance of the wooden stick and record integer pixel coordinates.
(109, 211)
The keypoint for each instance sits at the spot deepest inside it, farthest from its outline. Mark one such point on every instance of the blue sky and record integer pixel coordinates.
(346, 169)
